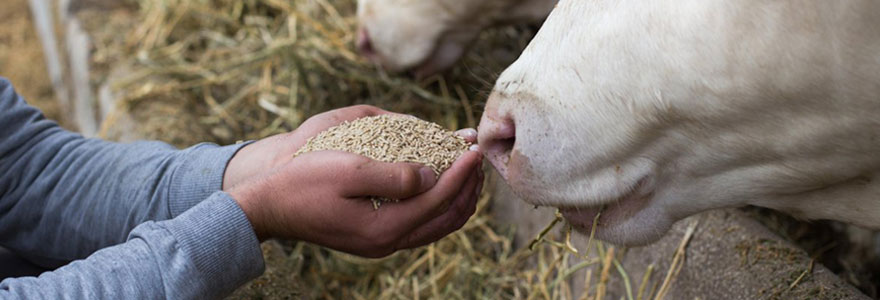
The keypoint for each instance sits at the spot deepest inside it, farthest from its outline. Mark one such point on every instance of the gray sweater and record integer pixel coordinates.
(122, 221)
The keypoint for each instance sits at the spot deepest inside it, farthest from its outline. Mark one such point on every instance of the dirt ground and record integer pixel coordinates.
(21, 57)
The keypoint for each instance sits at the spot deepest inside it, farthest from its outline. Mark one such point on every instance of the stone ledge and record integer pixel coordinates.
(730, 256)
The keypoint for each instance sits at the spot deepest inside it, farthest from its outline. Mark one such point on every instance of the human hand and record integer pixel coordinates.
(268, 153)
(323, 197)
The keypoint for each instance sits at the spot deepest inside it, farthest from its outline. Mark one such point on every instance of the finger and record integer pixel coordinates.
(449, 222)
(452, 220)
(365, 177)
(413, 212)
(452, 181)
(469, 135)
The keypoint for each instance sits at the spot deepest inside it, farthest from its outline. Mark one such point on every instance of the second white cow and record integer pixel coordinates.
(429, 36)
(660, 109)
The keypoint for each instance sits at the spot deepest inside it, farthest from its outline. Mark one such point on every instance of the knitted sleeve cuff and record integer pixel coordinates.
(199, 175)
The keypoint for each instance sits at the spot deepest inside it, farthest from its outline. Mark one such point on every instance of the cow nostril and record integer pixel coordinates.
(364, 44)
(498, 142)
(503, 149)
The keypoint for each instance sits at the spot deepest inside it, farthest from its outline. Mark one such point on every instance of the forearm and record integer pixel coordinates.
(62, 196)
(204, 253)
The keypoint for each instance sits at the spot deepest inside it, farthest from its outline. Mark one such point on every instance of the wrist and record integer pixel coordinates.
(249, 201)
(240, 167)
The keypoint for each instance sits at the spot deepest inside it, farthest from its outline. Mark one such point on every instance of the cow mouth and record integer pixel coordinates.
(611, 212)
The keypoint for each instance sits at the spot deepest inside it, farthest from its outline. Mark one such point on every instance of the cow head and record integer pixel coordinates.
(428, 36)
(657, 110)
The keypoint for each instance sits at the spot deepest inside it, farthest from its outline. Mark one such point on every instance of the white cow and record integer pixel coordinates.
(428, 36)
(660, 109)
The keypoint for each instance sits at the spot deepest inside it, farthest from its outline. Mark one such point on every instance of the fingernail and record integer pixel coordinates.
(467, 133)
(428, 177)
(475, 148)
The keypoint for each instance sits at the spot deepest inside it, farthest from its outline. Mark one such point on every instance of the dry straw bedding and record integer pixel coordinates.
(229, 70)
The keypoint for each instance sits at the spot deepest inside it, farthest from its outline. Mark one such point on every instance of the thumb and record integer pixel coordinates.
(369, 177)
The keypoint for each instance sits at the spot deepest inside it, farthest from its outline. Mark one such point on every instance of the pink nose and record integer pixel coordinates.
(364, 44)
(497, 138)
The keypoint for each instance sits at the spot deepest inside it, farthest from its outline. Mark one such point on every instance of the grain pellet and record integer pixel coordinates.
(390, 138)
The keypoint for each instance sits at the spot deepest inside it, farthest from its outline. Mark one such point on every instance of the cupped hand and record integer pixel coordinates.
(268, 153)
(324, 197)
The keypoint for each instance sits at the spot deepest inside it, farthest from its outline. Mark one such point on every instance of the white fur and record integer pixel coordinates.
(712, 103)
(433, 34)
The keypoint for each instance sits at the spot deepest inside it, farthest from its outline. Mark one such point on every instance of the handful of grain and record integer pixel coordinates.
(392, 139)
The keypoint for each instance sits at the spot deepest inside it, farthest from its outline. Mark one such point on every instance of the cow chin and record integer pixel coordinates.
(442, 58)
(632, 219)
(427, 58)
(614, 226)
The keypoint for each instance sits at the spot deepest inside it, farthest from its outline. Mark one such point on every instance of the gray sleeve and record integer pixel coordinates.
(205, 253)
(63, 197)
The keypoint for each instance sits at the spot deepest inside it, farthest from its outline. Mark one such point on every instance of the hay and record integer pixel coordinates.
(223, 71)
(677, 261)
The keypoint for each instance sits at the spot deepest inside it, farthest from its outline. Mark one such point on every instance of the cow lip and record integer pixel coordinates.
(500, 161)
(583, 216)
